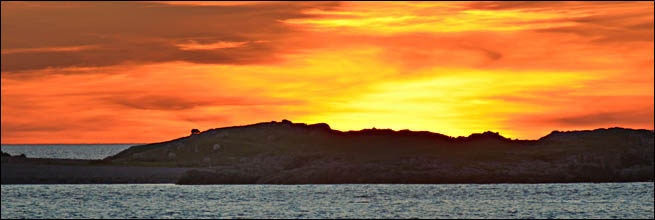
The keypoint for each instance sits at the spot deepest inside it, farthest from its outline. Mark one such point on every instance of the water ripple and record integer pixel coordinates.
(579, 200)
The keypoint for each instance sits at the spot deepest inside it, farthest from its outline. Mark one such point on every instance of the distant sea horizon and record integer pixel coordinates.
(362, 129)
(65, 151)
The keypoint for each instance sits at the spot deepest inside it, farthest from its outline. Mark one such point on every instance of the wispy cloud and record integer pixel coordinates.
(46, 49)
(193, 45)
(143, 32)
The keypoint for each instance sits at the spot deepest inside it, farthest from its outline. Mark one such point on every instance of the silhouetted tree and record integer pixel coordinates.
(195, 131)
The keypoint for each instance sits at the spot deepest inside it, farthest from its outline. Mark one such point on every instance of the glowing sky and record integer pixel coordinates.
(137, 72)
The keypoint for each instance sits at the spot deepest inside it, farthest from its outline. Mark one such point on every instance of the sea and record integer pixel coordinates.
(65, 151)
(568, 200)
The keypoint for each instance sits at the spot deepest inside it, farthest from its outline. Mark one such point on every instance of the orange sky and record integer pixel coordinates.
(138, 72)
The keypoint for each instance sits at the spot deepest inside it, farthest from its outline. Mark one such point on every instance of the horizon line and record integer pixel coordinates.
(288, 121)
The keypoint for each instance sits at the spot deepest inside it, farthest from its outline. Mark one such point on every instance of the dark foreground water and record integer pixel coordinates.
(577, 200)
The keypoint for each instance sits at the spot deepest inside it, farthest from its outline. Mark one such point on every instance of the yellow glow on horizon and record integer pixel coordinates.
(455, 102)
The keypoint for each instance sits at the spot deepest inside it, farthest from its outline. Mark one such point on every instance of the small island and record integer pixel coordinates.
(296, 153)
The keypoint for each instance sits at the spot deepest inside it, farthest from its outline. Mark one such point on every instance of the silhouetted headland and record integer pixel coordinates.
(296, 153)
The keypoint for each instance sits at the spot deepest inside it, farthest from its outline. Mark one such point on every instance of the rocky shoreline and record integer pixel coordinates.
(293, 153)
(22, 170)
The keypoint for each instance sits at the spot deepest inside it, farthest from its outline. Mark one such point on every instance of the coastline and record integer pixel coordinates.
(17, 170)
(63, 171)
(296, 153)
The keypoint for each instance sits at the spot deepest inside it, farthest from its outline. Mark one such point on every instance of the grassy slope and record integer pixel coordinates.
(298, 153)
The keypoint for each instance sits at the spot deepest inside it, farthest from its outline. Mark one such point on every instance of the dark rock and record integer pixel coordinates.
(295, 153)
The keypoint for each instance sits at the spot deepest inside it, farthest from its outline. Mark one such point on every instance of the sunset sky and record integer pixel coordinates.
(139, 72)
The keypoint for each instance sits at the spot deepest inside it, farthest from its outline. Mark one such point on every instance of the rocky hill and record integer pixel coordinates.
(295, 153)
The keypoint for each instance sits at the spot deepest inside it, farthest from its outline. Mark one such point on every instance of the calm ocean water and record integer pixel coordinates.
(65, 151)
(577, 200)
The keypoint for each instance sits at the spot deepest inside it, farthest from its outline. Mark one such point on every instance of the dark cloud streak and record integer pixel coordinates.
(636, 116)
(142, 32)
(546, 5)
(618, 25)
